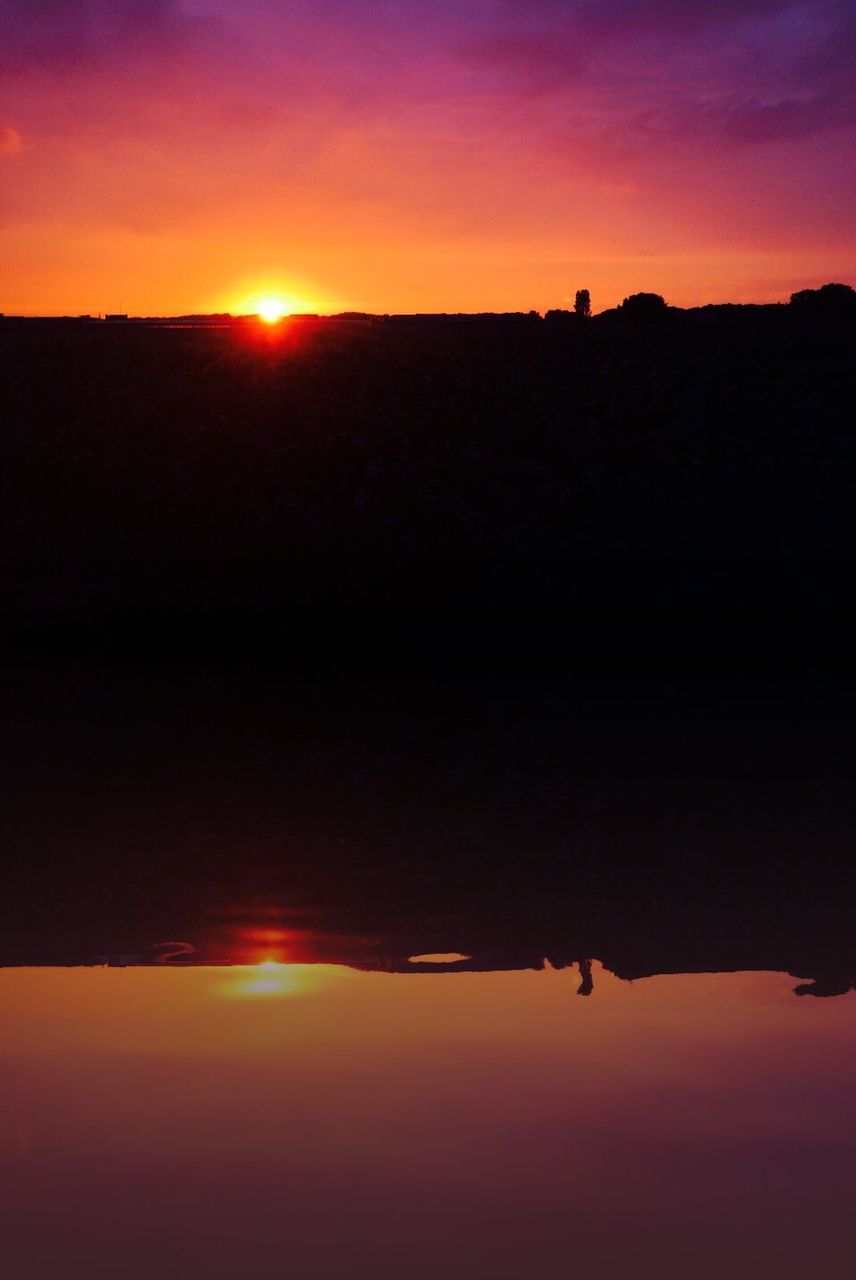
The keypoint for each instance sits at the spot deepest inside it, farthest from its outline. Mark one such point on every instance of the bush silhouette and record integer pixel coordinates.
(830, 299)
(644, 306)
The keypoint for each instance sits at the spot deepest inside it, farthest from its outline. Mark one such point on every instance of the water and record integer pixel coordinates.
(321, 1122)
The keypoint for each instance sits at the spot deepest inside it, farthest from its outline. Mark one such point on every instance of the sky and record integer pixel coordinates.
(167, 156)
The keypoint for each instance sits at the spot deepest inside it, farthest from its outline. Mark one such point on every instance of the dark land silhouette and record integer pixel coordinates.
(515, 479)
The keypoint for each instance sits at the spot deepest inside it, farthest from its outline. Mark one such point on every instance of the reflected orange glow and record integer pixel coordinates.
(689, 1121)
(273, 943)
(270, 935)
(254, 946)
(270, 978)
(440, 957)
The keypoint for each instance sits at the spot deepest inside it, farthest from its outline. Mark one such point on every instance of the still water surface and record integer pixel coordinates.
(317, 1122)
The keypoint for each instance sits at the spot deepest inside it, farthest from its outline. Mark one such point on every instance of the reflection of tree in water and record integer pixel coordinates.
(827, 985)
(500, 960)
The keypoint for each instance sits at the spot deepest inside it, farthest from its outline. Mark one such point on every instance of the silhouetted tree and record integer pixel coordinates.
(586, 979)
(827, 985)
(582, 303)
(644, 306)
(829, 299)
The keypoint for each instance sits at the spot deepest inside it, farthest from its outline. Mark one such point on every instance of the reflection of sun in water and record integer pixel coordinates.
(272, 310)
(270, 978)
(273, 980)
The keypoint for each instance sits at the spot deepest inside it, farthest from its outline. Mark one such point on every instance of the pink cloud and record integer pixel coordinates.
(62, 35)
(10, 140)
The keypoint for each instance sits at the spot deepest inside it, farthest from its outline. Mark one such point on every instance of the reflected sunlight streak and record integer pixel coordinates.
(440, 957)
(270, 978)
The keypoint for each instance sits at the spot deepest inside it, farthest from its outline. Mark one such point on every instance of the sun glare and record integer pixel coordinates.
(269, 979)
(272, 310)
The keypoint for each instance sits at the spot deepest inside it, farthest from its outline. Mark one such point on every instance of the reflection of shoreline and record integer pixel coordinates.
(566, 930)
(820, 979)
(659, 823)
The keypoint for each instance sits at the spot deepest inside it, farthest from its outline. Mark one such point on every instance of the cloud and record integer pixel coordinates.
(53, 35)
(615, 17)
(545, 44)
(727, 72)
(595, 22)
(673, 17)
(792, 117)
(537, 60)
(10, 140)
(812, 92)
(41, 32)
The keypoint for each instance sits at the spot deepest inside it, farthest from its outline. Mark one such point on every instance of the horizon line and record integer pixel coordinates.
(356, 313)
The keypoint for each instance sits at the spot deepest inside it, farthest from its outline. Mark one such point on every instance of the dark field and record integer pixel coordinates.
(347, 483)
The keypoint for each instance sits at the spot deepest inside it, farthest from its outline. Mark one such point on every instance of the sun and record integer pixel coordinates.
(272, 310)
(268, 302)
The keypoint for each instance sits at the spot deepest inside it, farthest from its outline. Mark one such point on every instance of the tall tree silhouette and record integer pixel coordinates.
(582, 303)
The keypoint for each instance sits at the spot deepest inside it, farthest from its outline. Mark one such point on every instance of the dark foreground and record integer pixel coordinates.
(359, 489)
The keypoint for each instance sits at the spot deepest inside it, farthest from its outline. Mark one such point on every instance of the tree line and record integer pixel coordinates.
(827, 300)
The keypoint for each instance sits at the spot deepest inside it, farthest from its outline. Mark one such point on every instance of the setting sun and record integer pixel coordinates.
(272, 310)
